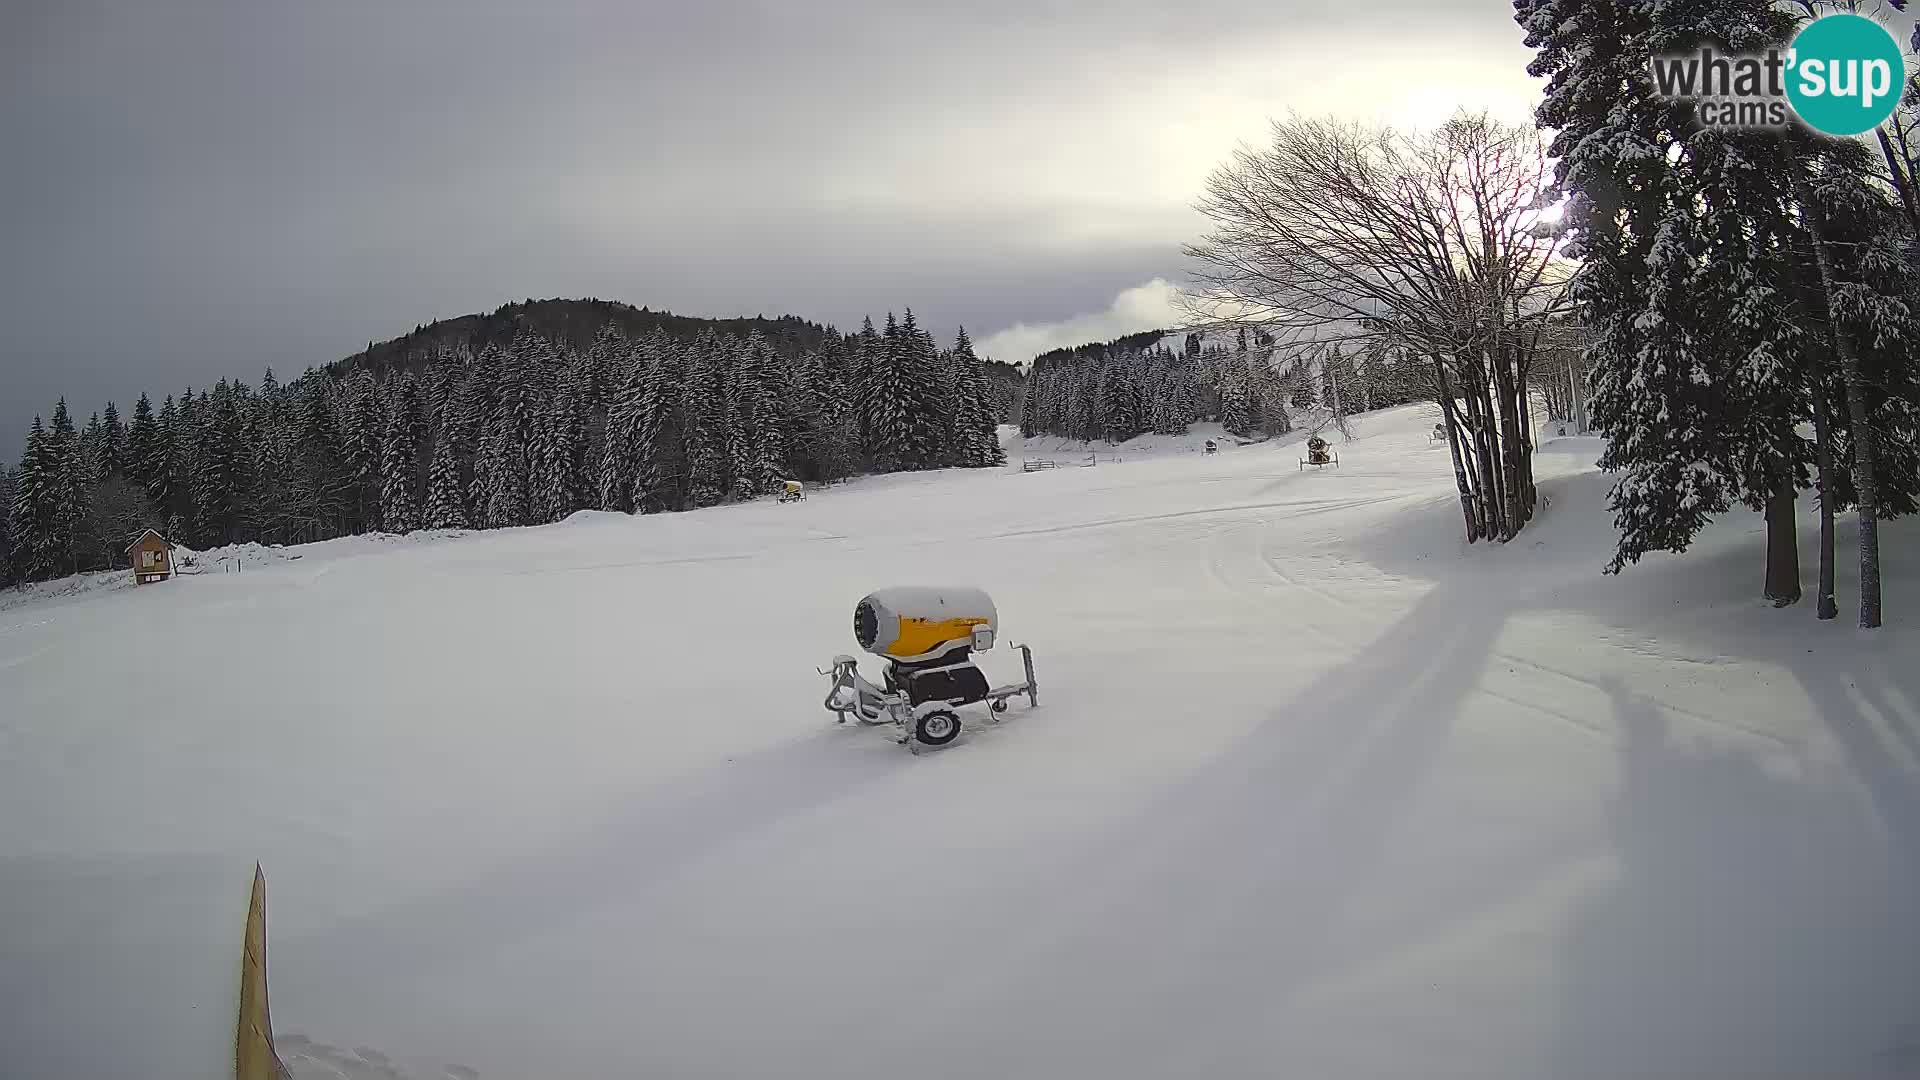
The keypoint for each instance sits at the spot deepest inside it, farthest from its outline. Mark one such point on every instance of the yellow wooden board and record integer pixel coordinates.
(254, 1056)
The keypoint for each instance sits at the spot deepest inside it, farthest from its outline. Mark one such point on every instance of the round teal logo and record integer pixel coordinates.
(1845, 74)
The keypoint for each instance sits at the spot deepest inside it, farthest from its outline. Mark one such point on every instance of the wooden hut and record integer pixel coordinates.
(151, 556)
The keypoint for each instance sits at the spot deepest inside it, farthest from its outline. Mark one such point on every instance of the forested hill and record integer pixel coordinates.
(1131, 343)
(572, 324)
(1161, 381)
(521, 417)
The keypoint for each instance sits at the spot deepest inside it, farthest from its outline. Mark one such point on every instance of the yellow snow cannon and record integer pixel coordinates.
(927, 636)
(914, 624)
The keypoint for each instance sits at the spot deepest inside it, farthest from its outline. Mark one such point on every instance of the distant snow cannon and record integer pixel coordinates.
(928, 637)
(1319, 454)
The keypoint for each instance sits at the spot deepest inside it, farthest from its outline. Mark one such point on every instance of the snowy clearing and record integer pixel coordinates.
(1075, 452)
(1313, 790)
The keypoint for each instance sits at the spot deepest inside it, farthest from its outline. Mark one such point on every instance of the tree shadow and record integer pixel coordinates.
(1221, 899)
(1755, 926)
(1762, 922)
(644, 841)
(1853, 699)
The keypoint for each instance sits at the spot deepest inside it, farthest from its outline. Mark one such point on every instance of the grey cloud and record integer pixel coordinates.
(198, 189)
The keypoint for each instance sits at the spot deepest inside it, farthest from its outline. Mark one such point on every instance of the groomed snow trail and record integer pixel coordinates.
(1314, 790)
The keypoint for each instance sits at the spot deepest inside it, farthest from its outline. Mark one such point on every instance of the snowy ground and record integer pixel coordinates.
(1313, 790)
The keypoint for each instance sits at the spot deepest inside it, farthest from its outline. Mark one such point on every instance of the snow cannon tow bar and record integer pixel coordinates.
(927, 636)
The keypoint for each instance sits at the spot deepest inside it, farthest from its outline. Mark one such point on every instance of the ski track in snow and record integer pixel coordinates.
(1314, 789)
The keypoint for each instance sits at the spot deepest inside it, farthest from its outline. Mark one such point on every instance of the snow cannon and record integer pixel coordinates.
(918, 624)
(1319, 454)
(927, 637)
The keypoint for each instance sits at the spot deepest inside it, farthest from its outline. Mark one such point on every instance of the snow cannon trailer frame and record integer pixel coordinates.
(928, 638)
(1319, 455)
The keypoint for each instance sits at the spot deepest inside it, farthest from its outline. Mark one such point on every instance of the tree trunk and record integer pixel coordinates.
(1866, 488)
(1902, 179)
(1783, 545)
(1520, 468)
(1467, 511)
(1513, 451)
(1579, 399)
(1824, 606)
(1865, 484)
(1492, 507)
(1529, 493)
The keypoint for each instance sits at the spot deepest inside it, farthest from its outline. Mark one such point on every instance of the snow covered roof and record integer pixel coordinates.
(153, 533)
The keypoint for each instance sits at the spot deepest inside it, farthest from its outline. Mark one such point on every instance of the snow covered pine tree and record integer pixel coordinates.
(1707, 326)
(400, 456)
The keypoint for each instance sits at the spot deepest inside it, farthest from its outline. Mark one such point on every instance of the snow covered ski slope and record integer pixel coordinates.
(1313, 791)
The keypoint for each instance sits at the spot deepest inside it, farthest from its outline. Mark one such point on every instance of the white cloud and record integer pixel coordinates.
(1152, 306)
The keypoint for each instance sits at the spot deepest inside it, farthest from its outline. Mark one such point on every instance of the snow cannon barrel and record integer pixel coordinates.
(922, 623)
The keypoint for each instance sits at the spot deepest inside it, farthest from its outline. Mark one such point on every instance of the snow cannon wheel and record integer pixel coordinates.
(999, 705)
(937, 728)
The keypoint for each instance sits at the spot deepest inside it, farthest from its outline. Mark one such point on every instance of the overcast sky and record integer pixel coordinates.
(192, 190)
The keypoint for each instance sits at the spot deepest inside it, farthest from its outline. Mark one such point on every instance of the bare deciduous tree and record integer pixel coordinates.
(1439, 246)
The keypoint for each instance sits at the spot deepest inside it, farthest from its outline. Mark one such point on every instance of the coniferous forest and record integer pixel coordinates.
(1747, 296)
(1136, 385)
(522, 417)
